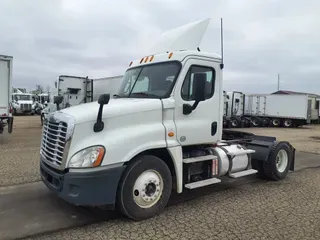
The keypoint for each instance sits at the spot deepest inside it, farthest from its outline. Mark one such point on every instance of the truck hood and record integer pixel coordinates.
(116, 107)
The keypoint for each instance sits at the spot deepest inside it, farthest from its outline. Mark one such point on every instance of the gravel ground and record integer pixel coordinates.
(306, 139)
(19, 152)
(288, 209)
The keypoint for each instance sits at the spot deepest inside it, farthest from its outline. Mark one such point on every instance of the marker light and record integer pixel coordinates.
(170, 55)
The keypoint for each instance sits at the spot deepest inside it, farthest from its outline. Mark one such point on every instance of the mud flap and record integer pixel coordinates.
(10, 124)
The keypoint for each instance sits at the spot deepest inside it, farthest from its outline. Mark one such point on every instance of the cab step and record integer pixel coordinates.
(202, 183)
(200, 159)
(243, 173)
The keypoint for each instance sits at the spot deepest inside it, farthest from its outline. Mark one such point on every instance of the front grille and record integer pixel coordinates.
(53, 141)
(25, 106)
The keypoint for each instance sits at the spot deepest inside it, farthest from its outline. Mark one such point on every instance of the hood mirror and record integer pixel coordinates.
(103, 100)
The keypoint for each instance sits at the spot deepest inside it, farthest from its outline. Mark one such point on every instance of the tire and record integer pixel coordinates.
(234, 123)
(275, 122)
(274, 168)
(143, 170)
(255, 122)
(287, 123)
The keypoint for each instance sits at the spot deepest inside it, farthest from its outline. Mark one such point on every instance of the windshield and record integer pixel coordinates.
(150, 81)
(22, 97)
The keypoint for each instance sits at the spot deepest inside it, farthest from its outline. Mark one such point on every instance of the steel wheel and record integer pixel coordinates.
(287, 123)
(148, 189)
(282, 160)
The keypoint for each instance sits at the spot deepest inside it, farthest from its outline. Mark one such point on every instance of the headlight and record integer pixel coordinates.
(89, 157)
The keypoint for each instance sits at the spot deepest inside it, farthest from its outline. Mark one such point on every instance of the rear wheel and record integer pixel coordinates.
(287, 123)
(234, 123)
(275, 122)
(279, 161)
(255, 122)
(145, 188)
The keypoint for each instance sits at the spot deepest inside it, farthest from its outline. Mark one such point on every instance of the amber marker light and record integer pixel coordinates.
(171, 134)
(99, 158)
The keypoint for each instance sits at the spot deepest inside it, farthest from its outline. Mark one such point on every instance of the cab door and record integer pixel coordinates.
(203, 124)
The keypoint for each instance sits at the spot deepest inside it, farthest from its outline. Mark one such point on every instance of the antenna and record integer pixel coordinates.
(221, 35)
(278, 81)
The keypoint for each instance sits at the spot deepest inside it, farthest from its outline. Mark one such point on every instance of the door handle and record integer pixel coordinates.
(214, 128)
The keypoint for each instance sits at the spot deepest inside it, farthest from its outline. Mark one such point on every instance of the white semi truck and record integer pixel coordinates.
(6, 118)
(162, 133)
(22, 102)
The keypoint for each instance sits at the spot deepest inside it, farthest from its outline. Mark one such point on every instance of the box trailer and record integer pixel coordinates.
(280, 109)
(74, 90)
(6, 118)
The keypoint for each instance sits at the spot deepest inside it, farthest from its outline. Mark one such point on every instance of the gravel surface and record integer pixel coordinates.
(19, 151)
(305, 139)
(288, 209)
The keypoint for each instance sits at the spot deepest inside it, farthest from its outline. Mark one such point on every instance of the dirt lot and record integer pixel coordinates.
(19, 152)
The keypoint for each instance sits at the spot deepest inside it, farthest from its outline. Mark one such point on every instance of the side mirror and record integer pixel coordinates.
(57, 100)
(103, 100)
(199, 86)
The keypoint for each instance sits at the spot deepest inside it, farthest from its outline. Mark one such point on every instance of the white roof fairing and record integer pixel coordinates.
(186, 37)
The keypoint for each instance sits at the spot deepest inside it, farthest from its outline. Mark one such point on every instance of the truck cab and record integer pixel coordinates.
(22, 103)
(162, 133)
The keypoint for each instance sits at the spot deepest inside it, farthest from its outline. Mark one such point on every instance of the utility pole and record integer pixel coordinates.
(278, 81)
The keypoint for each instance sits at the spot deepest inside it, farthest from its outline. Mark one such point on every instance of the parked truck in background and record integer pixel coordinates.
(6, 118)
(270, 110)
(76, 90)
(281, 110)
(162, 132)
(21, 102)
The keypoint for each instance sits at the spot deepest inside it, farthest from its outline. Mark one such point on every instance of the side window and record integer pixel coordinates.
(187, 92)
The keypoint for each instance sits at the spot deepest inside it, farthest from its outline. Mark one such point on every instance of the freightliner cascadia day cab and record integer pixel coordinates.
(162, 133)
(6, 118)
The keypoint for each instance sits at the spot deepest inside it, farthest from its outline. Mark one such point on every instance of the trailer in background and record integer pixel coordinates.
(79, 90)
(6, 118)
(280, 110)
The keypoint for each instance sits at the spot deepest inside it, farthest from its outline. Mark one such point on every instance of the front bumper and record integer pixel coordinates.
(86, 188)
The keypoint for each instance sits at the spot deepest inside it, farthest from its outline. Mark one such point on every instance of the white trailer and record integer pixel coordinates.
(76, 90)
(6, 118)
(162, 133)
(280, 109)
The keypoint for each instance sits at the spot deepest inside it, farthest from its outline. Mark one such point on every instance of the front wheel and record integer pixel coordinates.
(145, 188)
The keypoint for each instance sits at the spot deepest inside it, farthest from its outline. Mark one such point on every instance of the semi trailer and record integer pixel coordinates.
(162, 132)
(270, 110)
(76, 90)
(6, 118)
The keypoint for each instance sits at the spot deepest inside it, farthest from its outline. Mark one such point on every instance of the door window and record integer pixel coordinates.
(187, 92)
